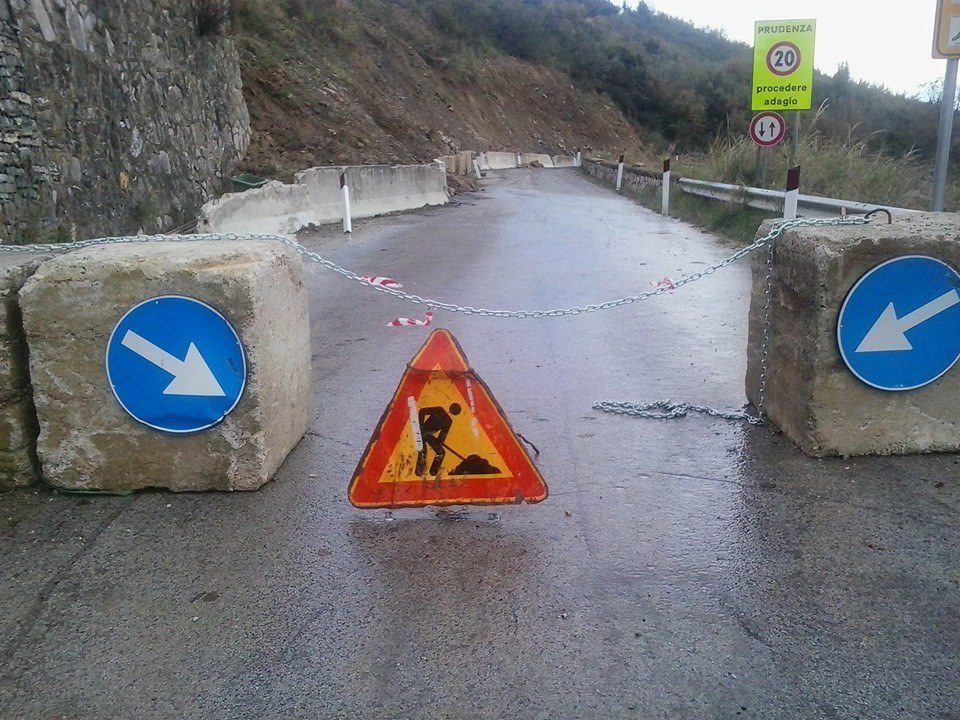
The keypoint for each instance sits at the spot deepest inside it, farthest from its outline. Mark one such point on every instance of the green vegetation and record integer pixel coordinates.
(737, 223)
(685, 85)
(848, 169)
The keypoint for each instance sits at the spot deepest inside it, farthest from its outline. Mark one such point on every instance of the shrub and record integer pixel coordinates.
(213, 17)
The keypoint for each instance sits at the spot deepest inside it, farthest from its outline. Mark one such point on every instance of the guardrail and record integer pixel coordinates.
(772, 200)
(760, 198)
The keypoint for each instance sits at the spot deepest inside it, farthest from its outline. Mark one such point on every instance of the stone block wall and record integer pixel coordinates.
(115, 116)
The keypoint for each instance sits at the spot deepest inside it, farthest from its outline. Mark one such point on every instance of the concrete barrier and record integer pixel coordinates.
(380, 189)
(460, 163)
(545, 160)
(88, 441)
(495, 160)
(315, 198)
(811, 395)
(18, 419)
(564, 161)
(275, 208)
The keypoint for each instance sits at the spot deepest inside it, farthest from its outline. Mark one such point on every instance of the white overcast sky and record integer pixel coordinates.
(886, 43)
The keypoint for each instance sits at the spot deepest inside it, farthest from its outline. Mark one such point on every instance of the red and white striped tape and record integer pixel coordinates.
(665, 283)
(408, 322)
(381, 281)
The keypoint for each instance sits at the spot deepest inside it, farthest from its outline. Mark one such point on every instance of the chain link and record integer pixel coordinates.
(775, 232)
(660, 410)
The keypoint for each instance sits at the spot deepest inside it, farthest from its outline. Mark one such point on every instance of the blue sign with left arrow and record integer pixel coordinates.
(899, 328)
(176, 364)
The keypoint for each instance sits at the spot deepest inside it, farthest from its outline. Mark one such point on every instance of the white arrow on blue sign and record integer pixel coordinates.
(899, 328)
(176, 364)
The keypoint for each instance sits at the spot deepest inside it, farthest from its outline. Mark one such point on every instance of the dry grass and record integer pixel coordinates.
(847, 170)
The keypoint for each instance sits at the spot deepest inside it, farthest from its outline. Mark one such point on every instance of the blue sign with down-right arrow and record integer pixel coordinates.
(899, 328)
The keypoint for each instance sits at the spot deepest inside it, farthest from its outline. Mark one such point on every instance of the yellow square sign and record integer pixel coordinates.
(783, 64)
(946, 37)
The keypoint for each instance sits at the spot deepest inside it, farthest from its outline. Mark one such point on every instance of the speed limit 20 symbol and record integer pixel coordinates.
(767, 129)
(783, 59)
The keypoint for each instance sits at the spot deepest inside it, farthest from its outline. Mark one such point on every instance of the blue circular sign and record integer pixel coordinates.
(175, 364)
(899, 327)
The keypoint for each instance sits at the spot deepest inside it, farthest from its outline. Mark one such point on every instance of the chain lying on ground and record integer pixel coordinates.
(663, 409)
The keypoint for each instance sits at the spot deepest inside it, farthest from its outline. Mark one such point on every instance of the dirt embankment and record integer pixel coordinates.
(360, 92)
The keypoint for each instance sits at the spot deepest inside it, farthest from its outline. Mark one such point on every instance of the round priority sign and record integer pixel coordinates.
(175, 364)
(783, 59)
(897, 328)
(767, 129)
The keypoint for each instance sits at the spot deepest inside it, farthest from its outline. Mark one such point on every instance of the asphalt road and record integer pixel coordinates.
(695, 568)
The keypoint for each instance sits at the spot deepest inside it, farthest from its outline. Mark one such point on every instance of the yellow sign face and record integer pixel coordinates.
(783, 64)
(946, 35)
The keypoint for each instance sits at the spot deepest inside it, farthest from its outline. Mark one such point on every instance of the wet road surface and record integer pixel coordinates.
(694, 568)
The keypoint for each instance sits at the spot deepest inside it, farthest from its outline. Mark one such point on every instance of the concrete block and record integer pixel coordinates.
(18, 420)
(493, 160)
(273, 209)
(564, 161)
(810, 393)
(460, 163)
(87, 441)
(543, 159)
(315, 198)
(380, 189)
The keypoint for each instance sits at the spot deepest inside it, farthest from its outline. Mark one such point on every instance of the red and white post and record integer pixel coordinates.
(620, 173)
(792, 195)
(345, 192)
(665, 189)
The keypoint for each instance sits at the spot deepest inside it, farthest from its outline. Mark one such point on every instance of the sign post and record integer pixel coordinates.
(946, 44)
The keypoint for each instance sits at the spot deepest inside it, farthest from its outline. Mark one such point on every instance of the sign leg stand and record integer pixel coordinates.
(944, 136)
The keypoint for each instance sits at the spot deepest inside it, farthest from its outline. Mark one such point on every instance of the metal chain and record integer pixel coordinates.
(667, 410)
(659, 410)
(776, 231)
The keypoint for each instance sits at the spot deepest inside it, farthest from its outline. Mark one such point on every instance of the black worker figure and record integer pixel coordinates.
(435, 424)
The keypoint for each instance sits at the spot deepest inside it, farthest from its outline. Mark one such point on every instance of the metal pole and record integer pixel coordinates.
(794, 138)
(760, 173)
(944, 137)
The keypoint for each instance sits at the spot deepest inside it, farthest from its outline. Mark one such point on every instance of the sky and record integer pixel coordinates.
(887, 43)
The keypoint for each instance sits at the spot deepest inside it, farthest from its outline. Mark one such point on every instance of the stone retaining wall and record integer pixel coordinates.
(115, 116)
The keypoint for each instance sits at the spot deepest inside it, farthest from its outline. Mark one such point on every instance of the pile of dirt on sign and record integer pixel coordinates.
(354, 83)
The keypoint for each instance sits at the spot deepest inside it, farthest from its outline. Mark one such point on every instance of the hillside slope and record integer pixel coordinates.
(329, 82)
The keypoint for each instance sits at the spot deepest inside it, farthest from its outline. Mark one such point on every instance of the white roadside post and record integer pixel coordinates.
(345, 191)
(620, 173)
(476, 168)
(519, 163)
(793, 193)
(665, 189)
(579, 159)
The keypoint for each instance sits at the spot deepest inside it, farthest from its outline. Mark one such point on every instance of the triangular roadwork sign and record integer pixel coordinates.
(444, 440)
